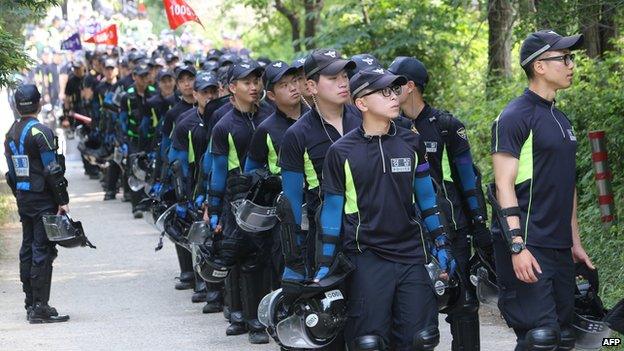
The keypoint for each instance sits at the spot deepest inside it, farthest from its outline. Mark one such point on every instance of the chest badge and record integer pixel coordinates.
(401, 165)
(432, 146)
(571, 134)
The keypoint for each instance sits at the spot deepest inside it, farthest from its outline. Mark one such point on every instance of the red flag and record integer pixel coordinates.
(106, 36)
(179, 12)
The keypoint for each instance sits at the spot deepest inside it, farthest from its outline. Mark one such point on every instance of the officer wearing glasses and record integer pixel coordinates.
(536, 236)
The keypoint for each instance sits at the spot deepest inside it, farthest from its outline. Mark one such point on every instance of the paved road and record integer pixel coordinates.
(121, 297)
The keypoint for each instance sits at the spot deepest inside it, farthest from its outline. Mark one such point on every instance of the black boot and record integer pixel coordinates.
(41, 279)
(214, 298)
(109, 195)
(200, 291)
(186, 282)
(187, 277)
(254, 285)
(257, 332)
(237, 324)
(232, 284)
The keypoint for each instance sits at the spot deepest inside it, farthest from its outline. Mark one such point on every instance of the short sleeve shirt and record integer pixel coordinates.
(542, 138)
(375, 174)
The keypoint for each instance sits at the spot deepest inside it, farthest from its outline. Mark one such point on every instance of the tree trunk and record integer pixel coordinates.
(589, 17)
(295, 26)
(608, 28)
(312, 16)
(64, 9)
(500, 20)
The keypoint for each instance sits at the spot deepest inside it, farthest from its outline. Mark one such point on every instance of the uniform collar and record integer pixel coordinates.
(391, 132)
(282, 115)
(531, 95)
(425, 113)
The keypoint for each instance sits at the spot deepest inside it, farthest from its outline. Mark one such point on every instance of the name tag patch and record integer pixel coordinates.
(21, 165)
(571, 134)
(400, 165)
(432, 146)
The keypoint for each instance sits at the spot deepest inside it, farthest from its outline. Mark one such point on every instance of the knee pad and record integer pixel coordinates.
(568, 339)
(542, 339)
(368, 343)
(427, 339)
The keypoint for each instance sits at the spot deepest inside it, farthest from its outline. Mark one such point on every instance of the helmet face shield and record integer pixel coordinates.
(136, 184)
(160, 222)
(62, 230)
(487, 291)
(199, 233)
(447, 286)
(254, 218)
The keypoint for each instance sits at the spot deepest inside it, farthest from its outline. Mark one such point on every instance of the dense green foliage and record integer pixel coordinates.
(13, 15)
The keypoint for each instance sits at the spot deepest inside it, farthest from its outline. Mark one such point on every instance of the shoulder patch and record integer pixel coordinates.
(461, 132)
(130, 90)
(151, 88)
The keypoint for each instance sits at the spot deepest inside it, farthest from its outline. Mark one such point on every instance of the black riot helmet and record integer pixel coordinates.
(63, 230)
(448, 287)
(307, 315)
(589, 313)
(27, 99)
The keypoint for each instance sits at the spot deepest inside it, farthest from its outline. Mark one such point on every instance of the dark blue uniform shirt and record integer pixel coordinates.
(375, 174)
(541, 137)
(442, 151)
(266, 142)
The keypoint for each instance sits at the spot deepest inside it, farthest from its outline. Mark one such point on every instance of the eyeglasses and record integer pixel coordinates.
(567, 59)
(387, 91)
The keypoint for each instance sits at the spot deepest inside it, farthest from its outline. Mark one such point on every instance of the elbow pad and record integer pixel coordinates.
(55, 179)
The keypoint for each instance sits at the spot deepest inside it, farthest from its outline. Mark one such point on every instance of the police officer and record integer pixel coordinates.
(380, 231)
(282, 84)
(190, 139)
(306, 97)
(162, 102)
(185, 78)
(452, 169)
(247, 253)
(305, 143)
(536, 234)
(136, 128)
(37, 179)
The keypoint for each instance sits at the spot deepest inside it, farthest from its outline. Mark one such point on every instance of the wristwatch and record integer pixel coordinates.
(516, 248)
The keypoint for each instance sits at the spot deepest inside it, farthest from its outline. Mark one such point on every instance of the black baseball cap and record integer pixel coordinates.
(188, 69)
(141, 69)
(364, 61)
(412, 69)
(170, 56)
(298, 63)
(110, 63)
(27, 98)
(326, 62)
(275, 71)
(210, 65)
(76, 63)
(165, 73)
(135, 56)
(205, 80)
(537, 43)
(244, 69)
(373, 79)
(228, 59)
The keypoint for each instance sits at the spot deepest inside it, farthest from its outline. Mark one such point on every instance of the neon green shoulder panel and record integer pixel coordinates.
(351, 205)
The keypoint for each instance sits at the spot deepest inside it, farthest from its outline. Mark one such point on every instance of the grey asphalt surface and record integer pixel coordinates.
(121, 296)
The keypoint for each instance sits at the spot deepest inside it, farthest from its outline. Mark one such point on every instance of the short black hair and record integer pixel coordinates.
(529, 71)
(315, 77)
